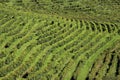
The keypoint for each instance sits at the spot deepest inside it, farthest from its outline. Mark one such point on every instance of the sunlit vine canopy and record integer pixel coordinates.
(59, 39)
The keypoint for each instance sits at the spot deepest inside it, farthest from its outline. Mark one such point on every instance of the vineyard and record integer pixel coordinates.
(44, 46)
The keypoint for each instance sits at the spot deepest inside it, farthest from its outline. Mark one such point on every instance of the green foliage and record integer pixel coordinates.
(109, 78)
(49, 46)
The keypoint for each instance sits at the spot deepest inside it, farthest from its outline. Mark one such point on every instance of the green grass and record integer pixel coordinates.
(42, 42)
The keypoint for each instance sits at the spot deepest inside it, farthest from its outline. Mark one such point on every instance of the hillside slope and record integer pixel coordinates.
(95, 10)
(41, 46)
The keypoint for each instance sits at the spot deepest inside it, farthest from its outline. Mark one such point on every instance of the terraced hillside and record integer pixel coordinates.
(50, 47)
